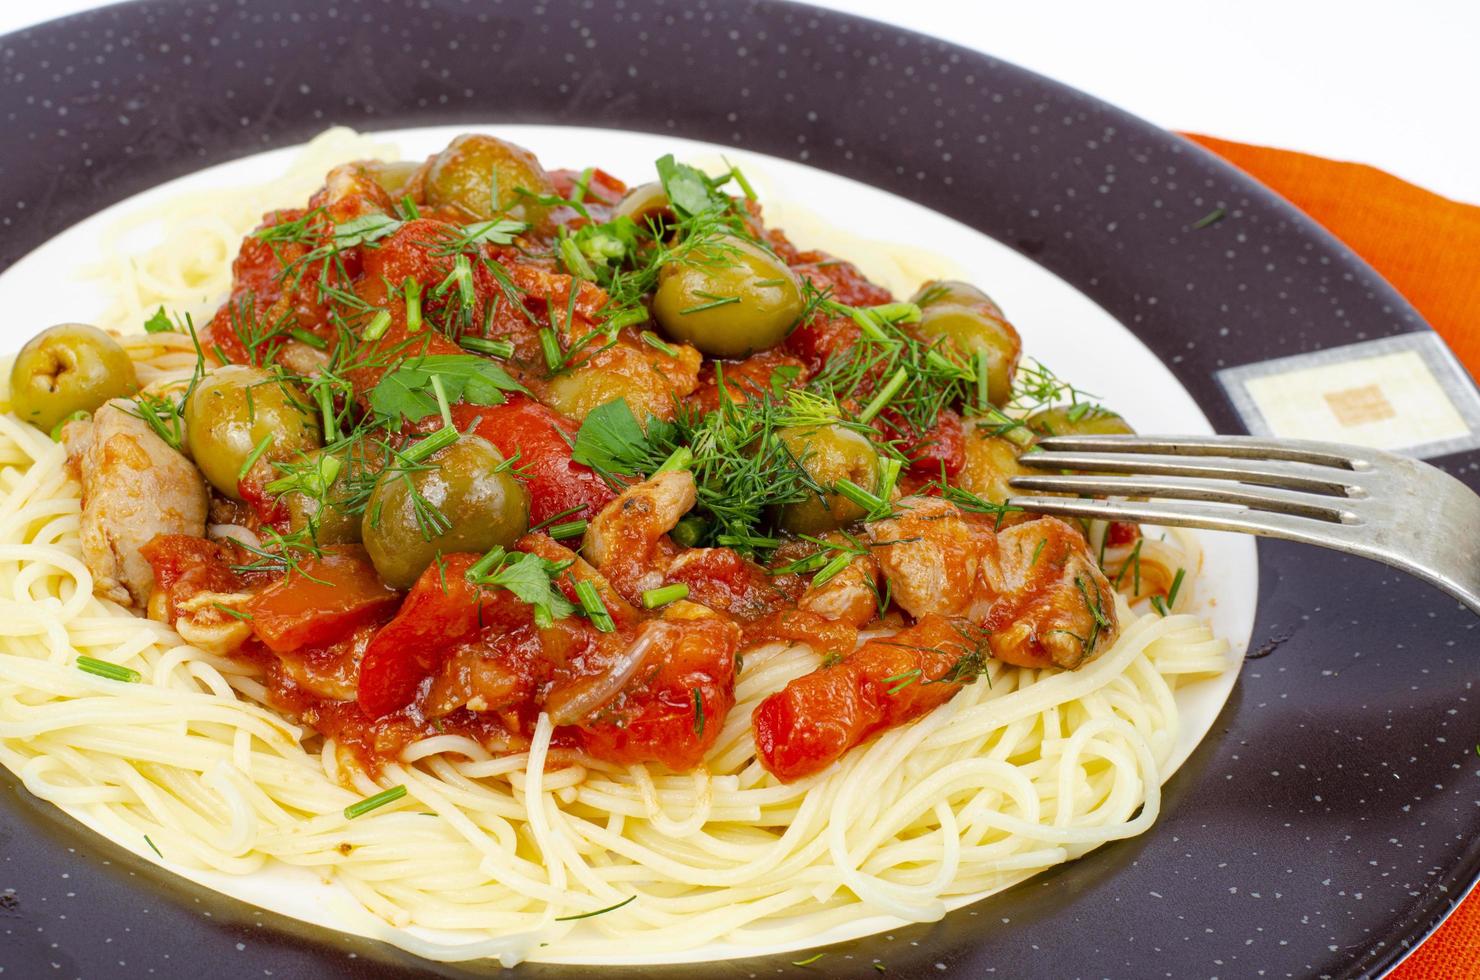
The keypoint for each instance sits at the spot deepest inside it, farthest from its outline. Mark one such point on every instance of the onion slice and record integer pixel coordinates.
(573, 702)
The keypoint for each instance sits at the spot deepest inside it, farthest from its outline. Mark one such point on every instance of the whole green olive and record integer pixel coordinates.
(728, 297)
(957, 293)
(828, 454)
(1083, 419)
(969, 319)
(231, 412)
(991, 461)
(467, 491)
(68, 368)
(467, 172)
(324, 515)
(645, 204)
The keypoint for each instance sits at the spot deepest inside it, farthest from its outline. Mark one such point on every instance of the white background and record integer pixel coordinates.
(1393, 84)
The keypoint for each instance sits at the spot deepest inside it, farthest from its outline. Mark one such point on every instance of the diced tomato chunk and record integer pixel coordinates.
(809, 724)
(442, 610)
(539, 436)
(673, 712)
(185, 566)
(321, 601)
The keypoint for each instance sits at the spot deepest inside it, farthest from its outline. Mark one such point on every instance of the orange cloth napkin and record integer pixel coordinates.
(1428, 247)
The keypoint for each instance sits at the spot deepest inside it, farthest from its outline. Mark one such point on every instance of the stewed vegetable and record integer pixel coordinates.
(239, 416)
(68, 368)
(828, 454)
(728, 297)
(967, 317)
(464, 498)
(485, 176)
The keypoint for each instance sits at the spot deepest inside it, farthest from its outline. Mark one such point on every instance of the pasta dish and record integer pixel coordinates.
(562, 567)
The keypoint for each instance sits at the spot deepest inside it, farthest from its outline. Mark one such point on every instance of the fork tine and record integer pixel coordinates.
(1173, 488)
(1229, 447)
(1211, 517)
(1271, 473)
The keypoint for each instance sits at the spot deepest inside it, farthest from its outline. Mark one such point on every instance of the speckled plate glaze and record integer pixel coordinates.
(1328, 822)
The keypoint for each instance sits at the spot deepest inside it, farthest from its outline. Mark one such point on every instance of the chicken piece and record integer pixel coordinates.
(627, 542)
(1051, 605)
(851, 596)
(930, 556)
(134, 487)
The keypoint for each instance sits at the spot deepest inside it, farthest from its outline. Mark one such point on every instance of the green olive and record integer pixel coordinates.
(728, 297)
(231, 412)
(644, 204)
(324, 515)
(968, 318)
(954, 292)
(991, 461)
(467, 172)
(1078, 420)
(828, 453)
(469, 484)
(68, 368)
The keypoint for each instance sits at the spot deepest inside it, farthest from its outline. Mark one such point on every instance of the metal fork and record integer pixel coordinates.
(1379, 505)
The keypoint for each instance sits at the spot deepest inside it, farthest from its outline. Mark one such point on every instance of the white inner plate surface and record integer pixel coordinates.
(1060, 326)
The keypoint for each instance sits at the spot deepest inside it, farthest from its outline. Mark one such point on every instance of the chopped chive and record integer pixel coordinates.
(570, 529)
(550, 344)
(77, 416)
(879, 967)
(744, 184)
(372, 802)
(661, 596)
(888, 477)
(897, 312)
(555, 518)
(412, 289)
(890, 389)
(409, 206)
(1009, 428)
(462, 269)
(832, 568)
(868, 501)
(312, 340)
(679, 459)
(104, 668)
(438, 440)
(1211, 218)
(575, 262)
(653, 341)
(587, 915)
(1158, 605)
(378, 325)
(626, 317)
(717, 301)
(152, 847)
(1176, 587)
(808, 961)
(484, 565)
(1038, 551)
(769, 282)
(594, 608)
(582, 185)
(253, 456)
(443, 405)
(493, 348)
(698, 710)
(802, 566)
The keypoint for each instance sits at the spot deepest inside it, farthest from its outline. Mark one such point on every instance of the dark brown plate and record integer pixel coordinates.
(1330, 819)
